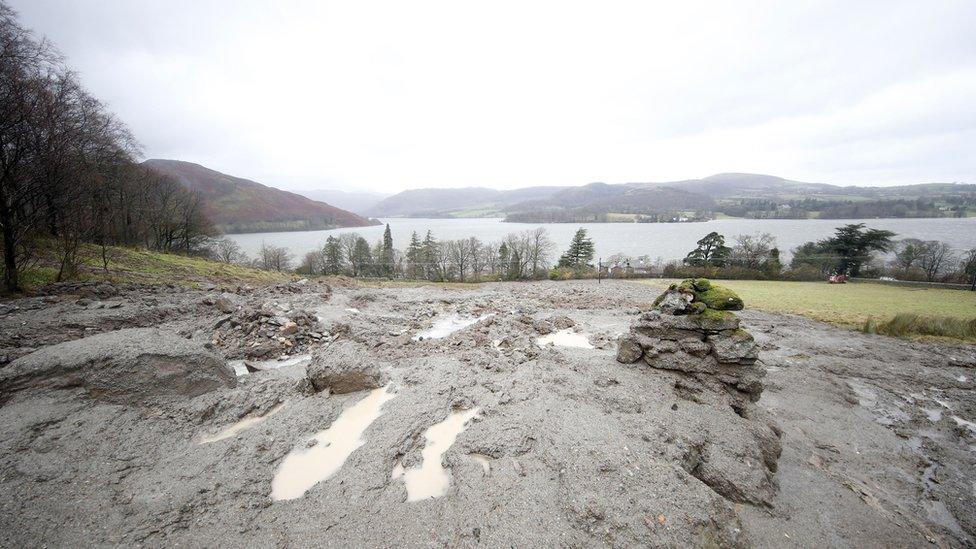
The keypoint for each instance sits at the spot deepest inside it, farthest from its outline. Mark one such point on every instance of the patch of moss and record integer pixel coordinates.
(714, 296)
(721, 298)
(716, 316)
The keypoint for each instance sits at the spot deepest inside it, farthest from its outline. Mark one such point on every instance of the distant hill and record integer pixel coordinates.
(731, 194)
(239, 205)
(748, 184)
(463, 202)
(600, 202)
(356, 202)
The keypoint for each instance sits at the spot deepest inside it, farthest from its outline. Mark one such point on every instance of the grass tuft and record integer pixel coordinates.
(908, 325)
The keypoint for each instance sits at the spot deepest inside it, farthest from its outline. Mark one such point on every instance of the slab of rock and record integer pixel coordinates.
(734, 347)
(129, 366)
(344, 367)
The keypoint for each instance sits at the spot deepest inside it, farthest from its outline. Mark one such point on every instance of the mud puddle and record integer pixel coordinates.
(233, 429)
(566, 338)
(449, 325)
(431, 480)
(305, 466)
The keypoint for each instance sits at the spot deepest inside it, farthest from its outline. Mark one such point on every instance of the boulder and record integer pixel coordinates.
(129, 366)
(224, 305)
(542, 327)
(673, 302)
(561, 322)
(628, 349)
(344, 367)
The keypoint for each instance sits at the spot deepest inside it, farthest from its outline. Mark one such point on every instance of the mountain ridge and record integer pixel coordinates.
(742, 194)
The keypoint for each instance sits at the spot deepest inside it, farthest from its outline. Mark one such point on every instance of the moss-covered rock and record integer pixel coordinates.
(713, 320)
(720, 298)
(705, 295)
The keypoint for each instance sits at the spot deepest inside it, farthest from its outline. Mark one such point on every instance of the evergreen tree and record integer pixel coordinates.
(386, 256)
(711, 251)
(846, 252)
(580, 252)
(415, 252)
(503, 259)
(853, 246)
(332, 256)
(362, 257)
(429, 256)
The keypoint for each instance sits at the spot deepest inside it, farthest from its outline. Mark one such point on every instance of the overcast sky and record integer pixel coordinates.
(385, 96)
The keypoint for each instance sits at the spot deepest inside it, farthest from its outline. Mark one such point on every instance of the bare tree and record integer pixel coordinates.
(541, 249)
(478, 260)
(908, 254)
(226, 250)
(67, 168)
(752, 251)
(934, 258)
(459, 255)
(274, 258)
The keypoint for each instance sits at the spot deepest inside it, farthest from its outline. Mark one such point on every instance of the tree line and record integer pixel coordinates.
(68, 170)
(947, 205)
(853, 250)
(525, 255)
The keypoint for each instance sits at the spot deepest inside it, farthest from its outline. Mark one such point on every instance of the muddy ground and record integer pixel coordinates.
(568, 446)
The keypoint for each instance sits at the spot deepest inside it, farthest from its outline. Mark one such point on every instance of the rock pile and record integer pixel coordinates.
(268, 331)
(693, 330)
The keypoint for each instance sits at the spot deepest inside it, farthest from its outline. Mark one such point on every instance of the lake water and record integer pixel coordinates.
(665, 240)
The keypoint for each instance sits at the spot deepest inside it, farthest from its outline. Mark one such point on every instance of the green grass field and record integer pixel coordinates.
(477, 212)
(847, 304)
(613, 217)
(137, 265)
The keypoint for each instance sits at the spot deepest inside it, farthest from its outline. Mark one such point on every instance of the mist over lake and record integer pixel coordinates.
(665, 240)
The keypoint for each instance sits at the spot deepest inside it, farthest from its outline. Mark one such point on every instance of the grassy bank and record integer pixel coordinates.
(144, 266)
(853, 305)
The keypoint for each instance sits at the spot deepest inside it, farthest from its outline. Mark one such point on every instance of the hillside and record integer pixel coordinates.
(239, 205)
(462, 202)
(599, 202)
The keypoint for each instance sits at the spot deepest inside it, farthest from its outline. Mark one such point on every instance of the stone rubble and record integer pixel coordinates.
(684, 334)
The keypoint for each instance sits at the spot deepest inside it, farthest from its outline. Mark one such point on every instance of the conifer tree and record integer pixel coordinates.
(580, 252)
(386, 253)
(429, 256)
(414, 256)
